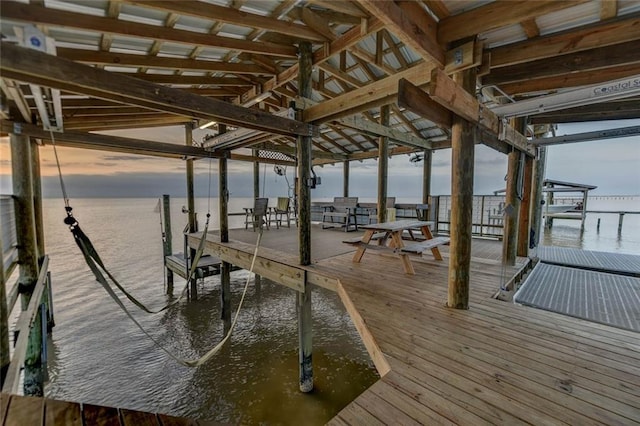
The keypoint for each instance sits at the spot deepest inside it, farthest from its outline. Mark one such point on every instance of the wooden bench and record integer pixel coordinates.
(422, 246)
(358, 240)
(343, 209)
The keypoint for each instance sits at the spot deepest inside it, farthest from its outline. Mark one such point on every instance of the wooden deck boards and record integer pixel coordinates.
(496, 363)
(26, 410)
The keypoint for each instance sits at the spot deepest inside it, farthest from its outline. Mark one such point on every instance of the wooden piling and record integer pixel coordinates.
(305, 336)
(256, 175)
(512, 207)
(167, 243)
(525, 218)
(463, 135)
(383, 166)
(188, 135)
(427, 159)
(27, 252)
(37, 197)
(225, 268)
(536, 197)
(345, 182)
(620, 219)
(4, 323)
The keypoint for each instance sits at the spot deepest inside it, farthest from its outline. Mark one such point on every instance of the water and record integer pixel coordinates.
(567, 233)
(98, 356)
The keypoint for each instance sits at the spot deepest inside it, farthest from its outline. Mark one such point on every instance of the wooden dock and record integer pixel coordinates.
(496, 363)
(27, 410)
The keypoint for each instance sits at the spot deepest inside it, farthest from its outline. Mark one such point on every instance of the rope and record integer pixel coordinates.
(93, 260)
(62, 186)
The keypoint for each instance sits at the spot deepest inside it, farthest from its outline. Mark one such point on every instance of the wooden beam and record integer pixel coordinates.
(589, 37)
(447, 93)
(580, 78)
(530, 27)
(622, 132)
(345, 7)
(417, 101)
(381, 92)
(616, 110)
(375, 129)
(191, 80)
(496, 15)
(55, 17)
(588, 60)
(608, 9)
(129, 60)
(36, 67)
(232, 16)
(411, 24)
(108, 143)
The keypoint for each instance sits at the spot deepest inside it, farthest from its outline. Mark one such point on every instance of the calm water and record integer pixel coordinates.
(98, 356)
(567, 233)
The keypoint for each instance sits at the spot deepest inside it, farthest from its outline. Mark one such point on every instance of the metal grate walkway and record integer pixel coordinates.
(626, 264)
(595, 296)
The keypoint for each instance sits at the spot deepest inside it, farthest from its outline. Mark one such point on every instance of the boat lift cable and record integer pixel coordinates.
(94, 262)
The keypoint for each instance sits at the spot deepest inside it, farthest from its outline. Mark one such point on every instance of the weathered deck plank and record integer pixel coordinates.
(496, 363)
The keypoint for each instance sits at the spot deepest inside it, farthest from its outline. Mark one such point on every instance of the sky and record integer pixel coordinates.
(613, 165)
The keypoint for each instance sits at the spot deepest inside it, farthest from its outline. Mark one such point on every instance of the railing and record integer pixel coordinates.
(30, 344)
(487, 215)
(8, 238)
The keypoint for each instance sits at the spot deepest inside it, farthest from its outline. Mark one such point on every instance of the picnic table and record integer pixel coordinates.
(388, 236)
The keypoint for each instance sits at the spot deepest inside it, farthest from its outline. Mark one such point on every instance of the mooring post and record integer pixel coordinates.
(167, 246)
(345, 180)
(225, 267)
(21, 173)
(427, 159)
(536, 197)
(304, 230)
(620, 219)
(191, 209)
(598, 225)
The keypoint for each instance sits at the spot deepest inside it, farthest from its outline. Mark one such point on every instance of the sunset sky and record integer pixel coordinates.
(613, 165)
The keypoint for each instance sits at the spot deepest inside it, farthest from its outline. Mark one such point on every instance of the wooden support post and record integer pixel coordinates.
(536, 197)
(256, 176)
(37, 197)
(524, 221)
(345, 182)
(27, 252)
(4, 323)
(305, 332)
(167, 243)
(463, 135)
(427, 158)
(620, 219)
(188, 135)
(305, 342)
(585, 196)
(383, 166)
(512, 206)
(25, 215)
(225, 268)
(548, 221)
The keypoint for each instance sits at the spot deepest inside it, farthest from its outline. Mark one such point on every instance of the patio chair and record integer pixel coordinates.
(256, 216)
(280, 212)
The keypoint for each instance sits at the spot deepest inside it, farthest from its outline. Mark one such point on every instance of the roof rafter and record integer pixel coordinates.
(232, 16)
(49, 16)
(28, 65)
